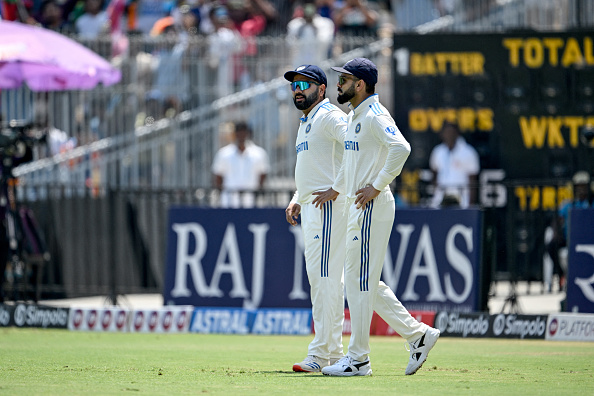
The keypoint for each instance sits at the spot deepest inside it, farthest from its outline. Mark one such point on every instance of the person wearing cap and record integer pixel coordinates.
(581, 200)
(319, 155)
(374, 154)
(320, 148)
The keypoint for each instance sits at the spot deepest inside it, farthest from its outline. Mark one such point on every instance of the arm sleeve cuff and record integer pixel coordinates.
(382, 180)
(295, 197)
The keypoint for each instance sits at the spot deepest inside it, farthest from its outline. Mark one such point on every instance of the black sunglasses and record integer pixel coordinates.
(303, 85)
(343, 79)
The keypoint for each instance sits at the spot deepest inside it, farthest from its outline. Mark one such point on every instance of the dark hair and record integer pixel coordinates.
(46, 3)
(243, 126)
(450, 124)
(370, 89)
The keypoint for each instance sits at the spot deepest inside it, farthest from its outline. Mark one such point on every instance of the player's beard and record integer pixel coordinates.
(347, 95)
(309, 100)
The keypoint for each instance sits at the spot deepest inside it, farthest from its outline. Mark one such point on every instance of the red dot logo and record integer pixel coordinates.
(554, 326)
(77, 318)
(167, 320)
(181, 320)
(138, 320)
(154, 320)
(106, 319)
(121, 319)
(92, 319)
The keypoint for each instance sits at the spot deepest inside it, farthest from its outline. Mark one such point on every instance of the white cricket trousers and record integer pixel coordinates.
(367, 236)
(324, 233)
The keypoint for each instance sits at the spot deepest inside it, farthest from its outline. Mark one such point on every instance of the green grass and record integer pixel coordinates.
(58, 362)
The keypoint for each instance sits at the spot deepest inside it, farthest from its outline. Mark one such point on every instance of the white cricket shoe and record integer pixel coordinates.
(419, 350)
(311, 364)
(347, 366)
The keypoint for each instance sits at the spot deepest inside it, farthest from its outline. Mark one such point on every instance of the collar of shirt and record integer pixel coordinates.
(248, 145)
(314, 110)
(361, 107)
(460, 142)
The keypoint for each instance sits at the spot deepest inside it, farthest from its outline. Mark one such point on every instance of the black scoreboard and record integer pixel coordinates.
(523, 100)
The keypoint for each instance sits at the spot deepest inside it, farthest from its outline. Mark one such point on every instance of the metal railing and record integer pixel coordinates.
(178, 152)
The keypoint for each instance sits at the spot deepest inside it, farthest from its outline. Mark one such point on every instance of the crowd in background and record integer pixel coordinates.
(92, 18)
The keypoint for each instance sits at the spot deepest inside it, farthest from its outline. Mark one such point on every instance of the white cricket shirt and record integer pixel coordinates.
(374, 149)
(320, 136)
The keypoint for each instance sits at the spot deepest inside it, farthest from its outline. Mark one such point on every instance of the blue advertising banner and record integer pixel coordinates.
(434, 259)
(246, 258)
(580, 277)
(252, 258)
(245, 321)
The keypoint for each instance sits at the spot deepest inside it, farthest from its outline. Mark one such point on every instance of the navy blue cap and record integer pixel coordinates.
(361, 68)
(311, 71)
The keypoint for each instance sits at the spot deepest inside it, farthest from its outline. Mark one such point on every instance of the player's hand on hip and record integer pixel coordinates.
(365, 195)
(324, 196)
(292, 212)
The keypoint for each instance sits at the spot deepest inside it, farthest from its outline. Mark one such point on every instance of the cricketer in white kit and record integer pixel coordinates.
(375, 153)
(320, 146)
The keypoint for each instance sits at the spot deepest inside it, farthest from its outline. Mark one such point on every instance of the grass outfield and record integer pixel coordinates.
(59, 362)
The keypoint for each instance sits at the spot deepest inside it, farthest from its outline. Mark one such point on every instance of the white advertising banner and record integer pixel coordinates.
(570, 327)
(113, 319)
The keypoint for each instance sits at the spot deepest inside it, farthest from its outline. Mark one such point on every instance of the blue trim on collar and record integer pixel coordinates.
(319, 106)
(365, 100)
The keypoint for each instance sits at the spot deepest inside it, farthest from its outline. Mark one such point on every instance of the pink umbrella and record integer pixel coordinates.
(48, 61)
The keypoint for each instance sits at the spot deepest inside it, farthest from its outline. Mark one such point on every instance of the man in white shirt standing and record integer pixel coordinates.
(320, 148)
(308, 29)
(455, 165)
(375, 153)
(240, 169)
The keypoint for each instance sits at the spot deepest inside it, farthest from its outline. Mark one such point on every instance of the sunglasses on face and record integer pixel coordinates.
(302, 85)
(343, 79)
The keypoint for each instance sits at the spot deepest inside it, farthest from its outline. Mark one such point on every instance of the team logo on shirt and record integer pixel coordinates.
(358, 128)
(308, 128)
(391, 130)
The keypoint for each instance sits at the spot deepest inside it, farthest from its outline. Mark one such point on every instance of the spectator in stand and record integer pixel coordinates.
(94, 21)
(171, 88)
(224, 44)
(455, 165)
(187, 16)
(284, 14)
(240, 169)
(582, 200)
(250, 18)
(325, 7)
(51, 17)
(18, 10)
(355, 18)
(306, 29)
